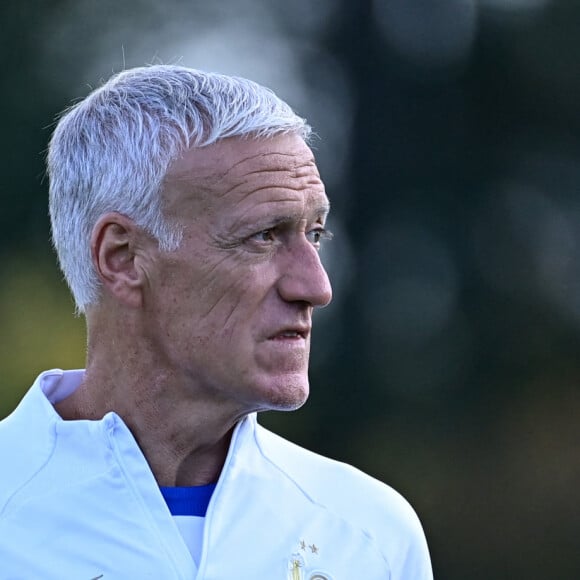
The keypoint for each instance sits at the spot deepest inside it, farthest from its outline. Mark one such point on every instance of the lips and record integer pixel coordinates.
(293, 332)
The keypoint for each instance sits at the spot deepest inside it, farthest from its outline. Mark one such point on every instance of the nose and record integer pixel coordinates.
(303, 277)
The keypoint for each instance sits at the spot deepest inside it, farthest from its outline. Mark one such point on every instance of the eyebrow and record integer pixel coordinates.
(321, 211)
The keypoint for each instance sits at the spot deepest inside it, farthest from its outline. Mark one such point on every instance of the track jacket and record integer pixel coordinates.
(79, 502)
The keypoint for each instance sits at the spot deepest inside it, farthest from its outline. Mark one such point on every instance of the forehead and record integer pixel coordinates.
(243, 173)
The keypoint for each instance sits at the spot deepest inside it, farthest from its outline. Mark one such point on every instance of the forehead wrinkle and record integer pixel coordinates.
(284, 179)
(294, 171)
(273, 161)
(290, 192)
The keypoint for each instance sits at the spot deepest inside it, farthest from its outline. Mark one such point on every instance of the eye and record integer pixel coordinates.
(264, 236)
(316, 235)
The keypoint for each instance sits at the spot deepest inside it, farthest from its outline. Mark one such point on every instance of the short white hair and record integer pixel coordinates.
(111, 152)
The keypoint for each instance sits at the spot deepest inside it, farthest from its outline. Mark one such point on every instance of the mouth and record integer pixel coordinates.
(293, 333)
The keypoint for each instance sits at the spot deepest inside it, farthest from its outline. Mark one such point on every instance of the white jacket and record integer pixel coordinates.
(78, 501)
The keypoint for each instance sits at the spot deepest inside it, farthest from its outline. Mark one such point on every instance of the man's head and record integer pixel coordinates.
(187, 213)
(111, 151)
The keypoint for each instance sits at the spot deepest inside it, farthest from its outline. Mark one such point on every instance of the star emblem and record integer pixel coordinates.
(302, 545)
(313, 549)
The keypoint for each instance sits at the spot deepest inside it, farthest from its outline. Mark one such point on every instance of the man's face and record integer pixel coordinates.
(230, 311)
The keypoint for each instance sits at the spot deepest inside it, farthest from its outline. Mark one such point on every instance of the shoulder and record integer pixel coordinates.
(20, 459)
(365, 502)
(338, 486)
(27, 439)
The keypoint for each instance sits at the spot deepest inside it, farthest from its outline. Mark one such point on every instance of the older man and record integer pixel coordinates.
(187, 213)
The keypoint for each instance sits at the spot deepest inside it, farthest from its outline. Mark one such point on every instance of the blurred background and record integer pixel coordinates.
(449, 131)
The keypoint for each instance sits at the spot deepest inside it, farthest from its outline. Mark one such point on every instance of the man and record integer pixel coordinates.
(187, 213)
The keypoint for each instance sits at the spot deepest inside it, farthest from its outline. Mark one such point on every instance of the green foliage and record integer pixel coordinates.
(38, 328)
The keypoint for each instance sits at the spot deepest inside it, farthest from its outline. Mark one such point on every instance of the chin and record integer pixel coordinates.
(288, 397)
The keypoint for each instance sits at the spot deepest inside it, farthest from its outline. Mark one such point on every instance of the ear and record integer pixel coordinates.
(114, 245)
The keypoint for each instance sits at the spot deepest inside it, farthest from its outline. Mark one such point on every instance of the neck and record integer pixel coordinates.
(184, 438)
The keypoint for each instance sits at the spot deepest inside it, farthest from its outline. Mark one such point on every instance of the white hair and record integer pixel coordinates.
(111, 151)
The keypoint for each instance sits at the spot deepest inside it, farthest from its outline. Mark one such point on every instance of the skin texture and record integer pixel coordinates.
(185, 343)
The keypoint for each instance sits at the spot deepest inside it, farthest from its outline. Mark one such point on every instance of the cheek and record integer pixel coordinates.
(226, 298)
(215, 294)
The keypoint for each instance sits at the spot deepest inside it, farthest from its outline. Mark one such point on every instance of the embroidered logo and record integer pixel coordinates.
(298, 568)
